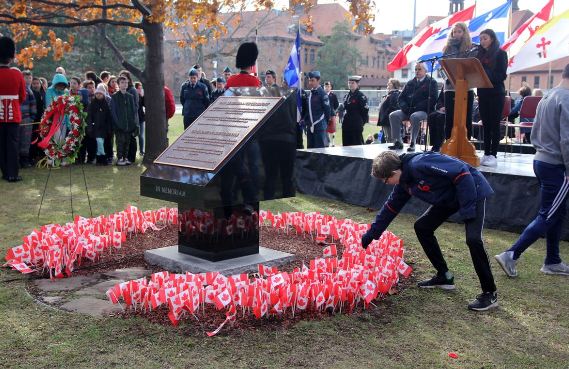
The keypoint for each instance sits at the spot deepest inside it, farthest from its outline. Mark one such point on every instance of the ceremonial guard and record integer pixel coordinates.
(193, 97)
(245, 60)
(356, 114)
(317, 114)
(12, 94)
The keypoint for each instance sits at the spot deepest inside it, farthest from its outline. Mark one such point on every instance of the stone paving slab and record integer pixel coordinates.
(99, 289)
(128, 274)
(65, 284)
(91, 306)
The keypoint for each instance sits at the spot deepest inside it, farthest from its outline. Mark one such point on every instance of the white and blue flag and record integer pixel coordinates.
(292, 74)
(496, 19)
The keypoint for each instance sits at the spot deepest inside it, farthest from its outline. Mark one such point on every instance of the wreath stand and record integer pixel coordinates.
(55, 153)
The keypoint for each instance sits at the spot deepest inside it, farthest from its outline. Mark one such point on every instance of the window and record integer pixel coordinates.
(524, 79)
(551, 79)
(536, 82)
(405, 73)
(305, 56)
(312, 57)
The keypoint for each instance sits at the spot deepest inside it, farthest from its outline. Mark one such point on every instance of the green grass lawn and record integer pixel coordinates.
(413, 329)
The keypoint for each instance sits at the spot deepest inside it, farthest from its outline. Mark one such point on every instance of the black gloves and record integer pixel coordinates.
(366, 240)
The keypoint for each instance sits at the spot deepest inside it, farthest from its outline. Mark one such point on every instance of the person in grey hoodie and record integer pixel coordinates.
(550, 137)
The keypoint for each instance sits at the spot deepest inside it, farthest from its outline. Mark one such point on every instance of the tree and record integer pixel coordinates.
(338, 57)
(144, 18)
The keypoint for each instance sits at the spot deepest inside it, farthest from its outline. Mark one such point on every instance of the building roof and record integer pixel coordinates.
(325, 16)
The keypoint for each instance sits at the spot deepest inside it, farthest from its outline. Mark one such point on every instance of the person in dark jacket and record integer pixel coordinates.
(193, 97)
(389, 105)
(356, 114)
(141, 116)
(437, 123)
(416, 101)
(450, 186)
(334, 104)
(99, 123)
(219, 89)
(132, 148)
(317, 113)
(39, 95)
(491, 100)
(203, 79)
(123, 109)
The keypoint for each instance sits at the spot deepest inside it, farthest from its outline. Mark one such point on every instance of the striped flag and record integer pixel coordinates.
(292, 73)
(550, 42)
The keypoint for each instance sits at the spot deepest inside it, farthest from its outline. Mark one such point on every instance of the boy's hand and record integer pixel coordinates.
(366, 240)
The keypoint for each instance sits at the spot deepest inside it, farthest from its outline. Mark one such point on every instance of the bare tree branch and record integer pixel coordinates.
(141, 8)
(10, 19)
(84, 7)
(129, 66)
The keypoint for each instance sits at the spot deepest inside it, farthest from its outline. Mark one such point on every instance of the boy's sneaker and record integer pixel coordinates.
(127, 162)
(121, 162)
(507, 262)
(411, 148)
(484, 301)
(438, 281)
(559, 269)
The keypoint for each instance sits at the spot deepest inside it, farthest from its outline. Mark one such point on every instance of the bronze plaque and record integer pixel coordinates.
(218, 132)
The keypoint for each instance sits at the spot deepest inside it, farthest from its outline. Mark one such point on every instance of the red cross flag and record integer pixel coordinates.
(550, 42)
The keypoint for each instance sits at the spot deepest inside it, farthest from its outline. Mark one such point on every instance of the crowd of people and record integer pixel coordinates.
(114, 104)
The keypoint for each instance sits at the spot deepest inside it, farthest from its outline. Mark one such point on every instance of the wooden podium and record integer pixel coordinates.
(464, 73)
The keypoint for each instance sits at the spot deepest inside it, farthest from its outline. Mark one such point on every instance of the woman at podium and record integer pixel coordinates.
(491, 100)
(459, 45)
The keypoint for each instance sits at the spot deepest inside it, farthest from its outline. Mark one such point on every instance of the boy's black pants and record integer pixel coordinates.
(425, 228)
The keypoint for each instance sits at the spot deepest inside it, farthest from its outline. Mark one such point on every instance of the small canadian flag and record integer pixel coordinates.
(223, 299)
(330, 251)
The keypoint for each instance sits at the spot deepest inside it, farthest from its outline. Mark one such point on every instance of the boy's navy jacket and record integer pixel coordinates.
(437, 179)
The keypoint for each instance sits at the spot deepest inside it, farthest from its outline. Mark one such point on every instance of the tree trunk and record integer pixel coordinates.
(156, 139)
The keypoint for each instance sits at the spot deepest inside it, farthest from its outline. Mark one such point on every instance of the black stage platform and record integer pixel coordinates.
(343, 173)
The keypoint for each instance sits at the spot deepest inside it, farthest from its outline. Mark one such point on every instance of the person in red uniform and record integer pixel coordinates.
(245, 60)
(12, 94)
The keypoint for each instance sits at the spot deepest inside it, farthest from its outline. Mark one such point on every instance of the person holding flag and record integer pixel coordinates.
(491, 100)
(292, 79)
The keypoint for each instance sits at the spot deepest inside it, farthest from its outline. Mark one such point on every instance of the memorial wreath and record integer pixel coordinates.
(50, 124)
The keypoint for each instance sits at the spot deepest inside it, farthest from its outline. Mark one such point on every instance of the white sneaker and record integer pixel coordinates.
(483, 159)
(121, 162)
(491, 161)
(560, 269)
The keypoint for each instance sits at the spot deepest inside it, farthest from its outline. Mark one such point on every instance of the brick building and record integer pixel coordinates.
(275, 32)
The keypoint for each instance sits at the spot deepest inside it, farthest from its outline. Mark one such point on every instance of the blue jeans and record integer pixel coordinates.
(100, 146)
(554, 187)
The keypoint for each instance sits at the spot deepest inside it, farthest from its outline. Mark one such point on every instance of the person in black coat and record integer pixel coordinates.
(437, 123)
(99, 122)
(389, 105)
(491, 100)
(356, 114)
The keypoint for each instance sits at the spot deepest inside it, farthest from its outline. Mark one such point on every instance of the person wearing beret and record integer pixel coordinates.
(12, 95)
(219, 88)
(194, 98)
(226, 73)
(271, 83)
(202, 79)
(245, 60)
(355, 114)
(317, 113)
